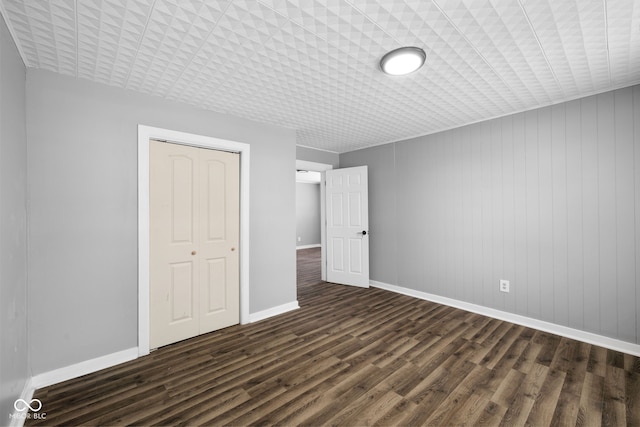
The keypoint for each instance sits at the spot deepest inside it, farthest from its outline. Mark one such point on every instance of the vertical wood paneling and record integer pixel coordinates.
(520, 283)
(548, 199)
(533, 213)
(441, 223)
(476, 214)
(424, 217)
(427, 217)
(625, 226)
(402, 215)
(497, 217)
(624, 197)
(545, 175)
(508, 212)
(458, 209)
(467, 218)
(590, 239)
(423, 203)
(486, 213)
(411, 195)
(395, 216)
(450, 274)
(608, 285)
(636, 155)
(436, 212)
(560, 222)
(575, 223)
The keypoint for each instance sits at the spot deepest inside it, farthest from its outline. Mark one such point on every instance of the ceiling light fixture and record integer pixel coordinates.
(401, 61)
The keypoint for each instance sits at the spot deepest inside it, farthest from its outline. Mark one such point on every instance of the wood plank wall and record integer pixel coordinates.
(548, 199)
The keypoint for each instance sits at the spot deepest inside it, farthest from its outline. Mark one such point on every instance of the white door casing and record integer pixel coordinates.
(145, 134)
(347, 226)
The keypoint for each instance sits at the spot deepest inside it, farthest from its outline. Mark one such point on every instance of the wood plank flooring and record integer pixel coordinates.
(352, 356)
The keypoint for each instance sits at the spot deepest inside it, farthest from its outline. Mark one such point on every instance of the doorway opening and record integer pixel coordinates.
(308, 173)
(344, 233)
(308, 209)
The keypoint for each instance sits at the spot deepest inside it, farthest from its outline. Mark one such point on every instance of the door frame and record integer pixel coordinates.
(145, 133)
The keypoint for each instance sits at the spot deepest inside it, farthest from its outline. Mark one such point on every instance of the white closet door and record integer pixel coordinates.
(219, 239)
(194, 234)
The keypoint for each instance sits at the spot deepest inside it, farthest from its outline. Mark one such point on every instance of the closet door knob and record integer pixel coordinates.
(193, 252)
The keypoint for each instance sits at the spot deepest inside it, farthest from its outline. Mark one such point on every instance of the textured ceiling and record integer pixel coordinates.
(313, 65)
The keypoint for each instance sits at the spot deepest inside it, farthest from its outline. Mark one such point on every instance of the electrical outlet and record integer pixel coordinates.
(504, 286)
(299, 239)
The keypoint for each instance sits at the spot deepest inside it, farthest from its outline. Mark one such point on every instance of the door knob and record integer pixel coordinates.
(193, 252)
(233, 249)
(363, 232)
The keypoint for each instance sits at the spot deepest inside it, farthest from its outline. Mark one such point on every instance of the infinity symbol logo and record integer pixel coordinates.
(21, 405)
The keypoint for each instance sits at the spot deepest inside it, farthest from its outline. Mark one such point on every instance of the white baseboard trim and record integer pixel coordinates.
(26, 395)
(273, 311)
(565, 331)
(83, 368)
(317, 245)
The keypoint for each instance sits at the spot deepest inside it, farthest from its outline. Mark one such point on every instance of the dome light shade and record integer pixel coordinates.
(401, 61)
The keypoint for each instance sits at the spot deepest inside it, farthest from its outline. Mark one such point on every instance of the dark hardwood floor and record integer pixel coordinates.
(352, 356)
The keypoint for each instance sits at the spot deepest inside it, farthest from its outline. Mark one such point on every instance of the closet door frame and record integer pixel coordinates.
(146, 133)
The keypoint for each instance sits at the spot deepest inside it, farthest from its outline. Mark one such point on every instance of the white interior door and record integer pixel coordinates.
(194, 235)
(347, 216)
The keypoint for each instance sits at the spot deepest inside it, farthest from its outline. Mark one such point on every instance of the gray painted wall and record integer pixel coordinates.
(548, 199)
(318, 156)
(14, 354)
(83, 212)
(307, 214)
